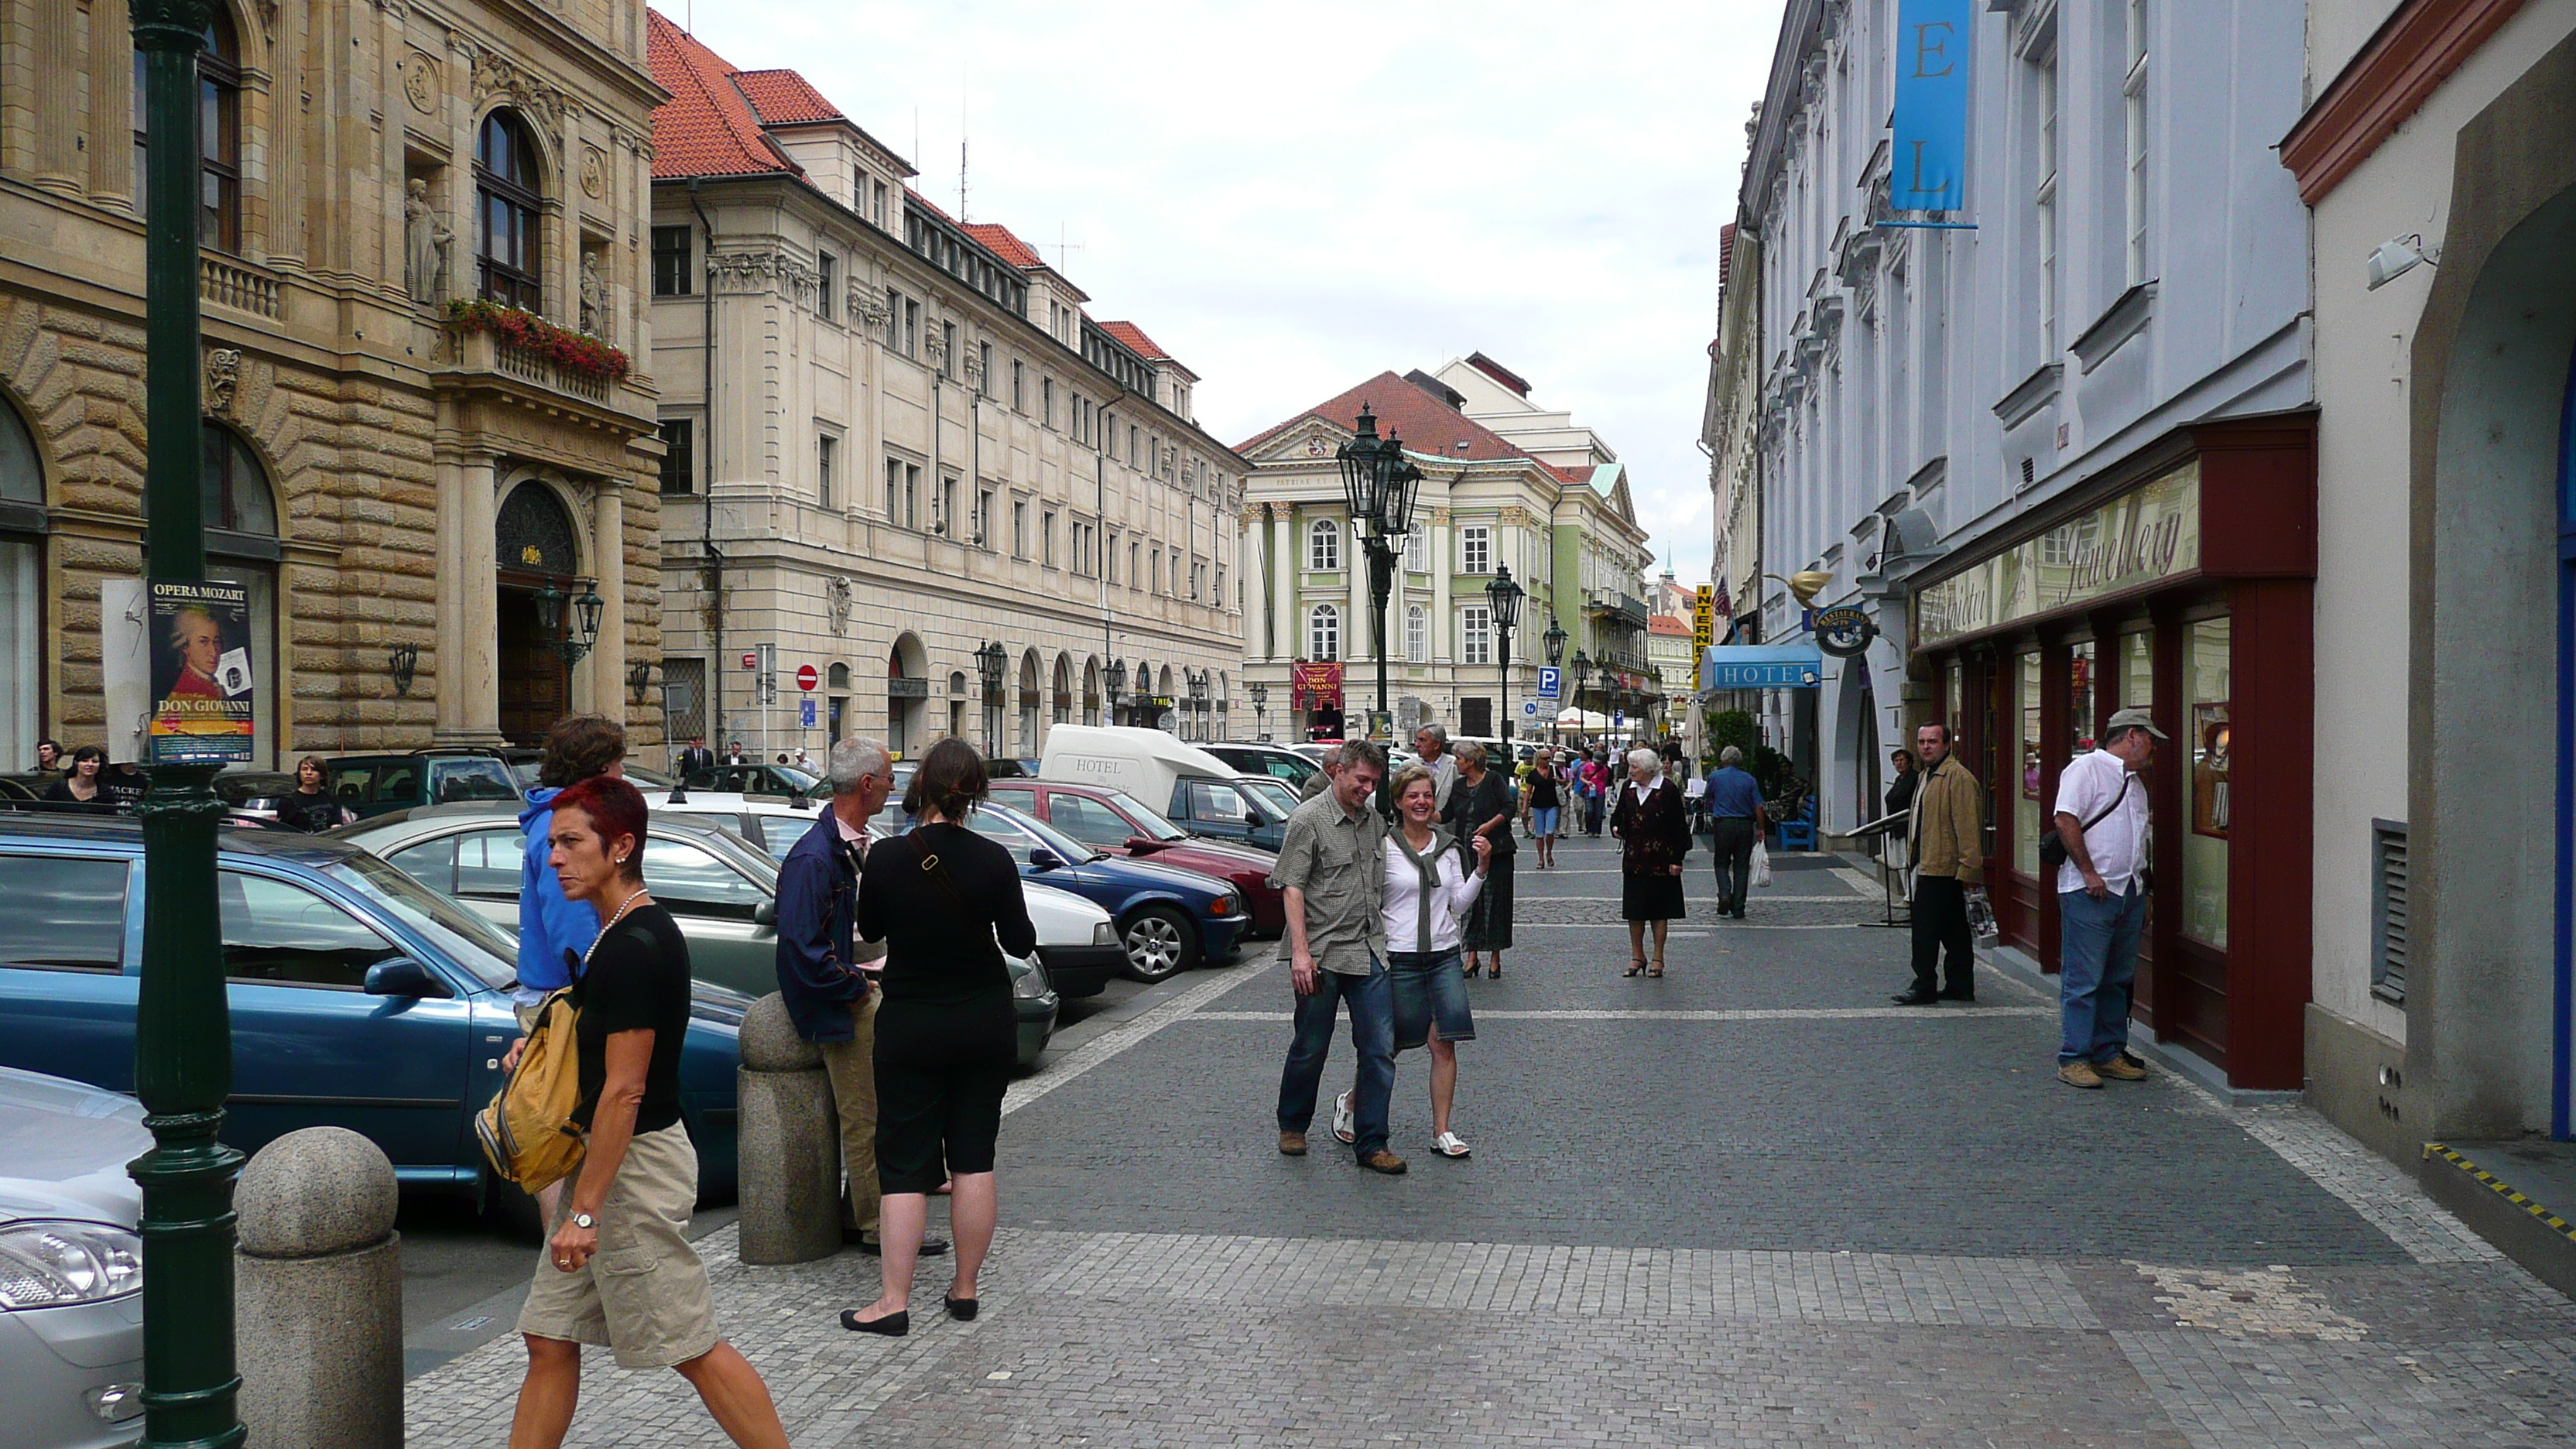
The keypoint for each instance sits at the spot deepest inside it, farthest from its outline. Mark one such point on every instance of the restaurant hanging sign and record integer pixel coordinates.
(2145, 536)
(1314, 686)
(1928, 164)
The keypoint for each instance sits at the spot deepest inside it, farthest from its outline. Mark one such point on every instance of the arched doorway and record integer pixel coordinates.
(1029, 704)
(907, 697)
(836, 682)
(1062, 712)
(1091, 690)
(536, 547)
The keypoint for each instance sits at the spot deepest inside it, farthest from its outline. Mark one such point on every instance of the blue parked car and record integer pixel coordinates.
(1169, 919)
(359, 998)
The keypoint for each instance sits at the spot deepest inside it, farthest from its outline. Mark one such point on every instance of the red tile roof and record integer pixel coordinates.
(1003, 244)
(706, 128)
(1425, 423)
(784, 98)
(1667, 624)
(1134, 336)
(1579, 475)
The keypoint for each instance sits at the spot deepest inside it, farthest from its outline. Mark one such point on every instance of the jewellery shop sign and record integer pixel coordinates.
(2146, 536)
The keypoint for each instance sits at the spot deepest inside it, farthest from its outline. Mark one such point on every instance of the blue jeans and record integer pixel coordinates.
(1372, 1003)
(2097, 961)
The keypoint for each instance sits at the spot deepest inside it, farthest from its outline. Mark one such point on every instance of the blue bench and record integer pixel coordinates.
(1798, 834)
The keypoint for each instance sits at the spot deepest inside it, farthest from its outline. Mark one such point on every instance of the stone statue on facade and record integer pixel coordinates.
(594, 295)
(426, 237)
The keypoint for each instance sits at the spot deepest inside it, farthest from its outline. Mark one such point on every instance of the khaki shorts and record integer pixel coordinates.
(644, 1293)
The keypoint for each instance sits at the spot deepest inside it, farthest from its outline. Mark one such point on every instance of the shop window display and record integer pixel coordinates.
(2028, 809)
(2204, 847)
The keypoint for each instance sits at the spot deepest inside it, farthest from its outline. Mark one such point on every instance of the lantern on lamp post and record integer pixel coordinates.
(1504, 596)
(989, 663)
(1378, 485)
(1260, 693)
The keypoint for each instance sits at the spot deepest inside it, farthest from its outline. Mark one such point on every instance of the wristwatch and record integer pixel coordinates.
(584, 1221)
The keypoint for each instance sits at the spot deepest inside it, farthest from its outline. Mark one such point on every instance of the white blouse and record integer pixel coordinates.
(1402, 911)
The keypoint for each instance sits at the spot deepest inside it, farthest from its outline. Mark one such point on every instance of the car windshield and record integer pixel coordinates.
(1155, 827)
(467, 939)
(1281, 800)
(472, 780)
(1066, 848)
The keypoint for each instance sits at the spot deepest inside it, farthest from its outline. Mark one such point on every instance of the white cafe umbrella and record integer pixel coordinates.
(1570, 718)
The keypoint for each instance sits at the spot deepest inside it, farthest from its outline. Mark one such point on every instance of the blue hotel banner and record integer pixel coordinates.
(1929, 169)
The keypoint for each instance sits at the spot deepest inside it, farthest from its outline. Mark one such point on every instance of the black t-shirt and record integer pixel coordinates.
(637, 980)
(311, 814)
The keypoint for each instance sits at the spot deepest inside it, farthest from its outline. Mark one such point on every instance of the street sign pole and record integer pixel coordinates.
(183, 1064)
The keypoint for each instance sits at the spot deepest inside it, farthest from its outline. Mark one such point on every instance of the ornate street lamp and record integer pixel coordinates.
(1555, 640)
(574, 643)
(1582, 668)
(1378, 484)
(1260, 693)
(1114, 680)
(183, 1040)
(1199, 699)
(990, 660)
(1505, 597)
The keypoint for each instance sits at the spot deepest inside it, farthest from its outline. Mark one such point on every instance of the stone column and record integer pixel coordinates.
(111, 97)
(319, 1311)
(789, 1143)
(469, 677)
(58, 69)
(608, 549)
(1285, 644)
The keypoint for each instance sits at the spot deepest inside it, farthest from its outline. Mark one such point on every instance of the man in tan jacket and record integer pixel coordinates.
(1946, 839)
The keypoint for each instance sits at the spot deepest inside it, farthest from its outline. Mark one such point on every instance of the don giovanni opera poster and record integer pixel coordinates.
(199, 638)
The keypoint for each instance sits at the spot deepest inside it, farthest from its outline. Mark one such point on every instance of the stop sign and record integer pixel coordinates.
(806, 678)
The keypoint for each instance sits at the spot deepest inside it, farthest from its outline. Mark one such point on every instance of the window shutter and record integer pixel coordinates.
(2388, 911)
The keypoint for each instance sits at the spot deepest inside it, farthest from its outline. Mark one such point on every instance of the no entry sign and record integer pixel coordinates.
(806, 678)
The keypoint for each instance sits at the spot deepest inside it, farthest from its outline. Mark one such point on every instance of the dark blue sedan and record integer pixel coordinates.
(1169, 919)
(359, 999)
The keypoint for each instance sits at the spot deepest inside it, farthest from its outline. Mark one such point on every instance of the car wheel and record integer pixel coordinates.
(1160, 943)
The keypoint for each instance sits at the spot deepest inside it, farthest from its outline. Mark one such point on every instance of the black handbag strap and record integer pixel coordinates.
(2105, 812)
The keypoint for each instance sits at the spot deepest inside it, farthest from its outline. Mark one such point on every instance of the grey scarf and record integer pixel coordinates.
(1428, 868)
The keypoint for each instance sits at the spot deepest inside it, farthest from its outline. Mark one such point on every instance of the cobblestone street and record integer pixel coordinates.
(1750, 1203)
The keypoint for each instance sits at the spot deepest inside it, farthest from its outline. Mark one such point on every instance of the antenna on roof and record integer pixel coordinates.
(961, 148)
(1062, 246)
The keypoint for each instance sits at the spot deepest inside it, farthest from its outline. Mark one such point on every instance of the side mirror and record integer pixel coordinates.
(1252, 818)
(1045, 859)
(1139, 845)
(766, 913)
(403, 976)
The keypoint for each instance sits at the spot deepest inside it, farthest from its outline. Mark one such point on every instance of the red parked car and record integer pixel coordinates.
(1116, 822)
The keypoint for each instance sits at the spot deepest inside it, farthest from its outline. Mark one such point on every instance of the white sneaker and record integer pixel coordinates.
(1448, 1145)
(1346, 1124)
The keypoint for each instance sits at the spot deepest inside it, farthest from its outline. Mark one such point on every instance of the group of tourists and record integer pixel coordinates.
(83, 782)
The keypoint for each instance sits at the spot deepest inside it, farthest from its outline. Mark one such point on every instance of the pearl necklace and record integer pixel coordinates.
(609, 925)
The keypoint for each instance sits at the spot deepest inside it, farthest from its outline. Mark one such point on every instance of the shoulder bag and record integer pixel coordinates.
(2052, 846)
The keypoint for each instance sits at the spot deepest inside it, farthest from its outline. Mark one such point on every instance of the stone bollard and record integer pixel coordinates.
(319, 1293)
(789, 1143)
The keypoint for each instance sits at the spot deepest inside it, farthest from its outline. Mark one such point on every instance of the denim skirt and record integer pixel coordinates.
(1429, 988)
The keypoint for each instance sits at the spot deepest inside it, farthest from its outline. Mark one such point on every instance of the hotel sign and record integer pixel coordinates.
(2145, 536)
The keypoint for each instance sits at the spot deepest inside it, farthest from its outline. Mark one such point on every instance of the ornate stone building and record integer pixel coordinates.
(923, 458)
(394, 485)
(1567, 532)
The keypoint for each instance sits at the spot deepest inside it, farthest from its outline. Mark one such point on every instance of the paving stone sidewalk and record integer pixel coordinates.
(1734, 1207)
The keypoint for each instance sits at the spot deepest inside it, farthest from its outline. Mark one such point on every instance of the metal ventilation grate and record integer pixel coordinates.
(2389, 942)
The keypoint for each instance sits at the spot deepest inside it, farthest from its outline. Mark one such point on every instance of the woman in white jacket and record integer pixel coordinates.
(1430, 884)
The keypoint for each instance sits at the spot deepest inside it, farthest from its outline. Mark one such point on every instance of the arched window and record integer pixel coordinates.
(1324, 544)
(1063, 704)
(22, 591)
(1417, 634)
(219, 81)
(1324, 633)
(509, 211)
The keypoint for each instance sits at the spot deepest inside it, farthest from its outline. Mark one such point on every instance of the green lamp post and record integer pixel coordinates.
(183, 1064)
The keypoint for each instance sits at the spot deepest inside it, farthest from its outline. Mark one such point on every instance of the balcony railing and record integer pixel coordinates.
(477, 351)
(230, 284)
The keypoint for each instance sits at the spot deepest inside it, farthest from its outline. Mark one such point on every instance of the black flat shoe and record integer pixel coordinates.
(961, 1309)
(1958, 996)
(930, 1247)
(1916, 998)
(893, 1325)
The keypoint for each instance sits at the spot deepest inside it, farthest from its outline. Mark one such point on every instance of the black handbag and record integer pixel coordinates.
(2052, 846)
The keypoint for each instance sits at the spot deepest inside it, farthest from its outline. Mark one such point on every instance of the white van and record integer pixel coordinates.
(1143, 762)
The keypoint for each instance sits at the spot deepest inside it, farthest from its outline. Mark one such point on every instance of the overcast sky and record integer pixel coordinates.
(1292, 198)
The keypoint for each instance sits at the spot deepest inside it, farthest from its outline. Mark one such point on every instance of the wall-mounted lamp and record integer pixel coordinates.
(639, 680)
(405, 663)
(2398, 256)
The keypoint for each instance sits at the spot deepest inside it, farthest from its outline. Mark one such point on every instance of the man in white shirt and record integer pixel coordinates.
(2102, 900)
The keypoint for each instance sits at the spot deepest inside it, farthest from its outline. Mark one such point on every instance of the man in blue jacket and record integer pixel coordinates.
(822, 967)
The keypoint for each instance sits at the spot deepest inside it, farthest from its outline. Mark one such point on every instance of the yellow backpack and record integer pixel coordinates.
(528, 1132)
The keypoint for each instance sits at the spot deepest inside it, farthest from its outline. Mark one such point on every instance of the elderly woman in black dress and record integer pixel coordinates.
(1653, 827)
(1483, 804)
(947, 903)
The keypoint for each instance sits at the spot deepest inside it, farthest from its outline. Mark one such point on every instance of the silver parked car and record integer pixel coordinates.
(71, 1264)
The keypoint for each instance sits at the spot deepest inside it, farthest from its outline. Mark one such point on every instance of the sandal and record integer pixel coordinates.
(1636, 966)
(1656, 973)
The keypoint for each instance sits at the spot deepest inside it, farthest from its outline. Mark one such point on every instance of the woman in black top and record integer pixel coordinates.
(947, 903)
(1654, 834)
(618, 1269)
(81, 787)
(309, 808)
(1546, 802)
(1483, 804)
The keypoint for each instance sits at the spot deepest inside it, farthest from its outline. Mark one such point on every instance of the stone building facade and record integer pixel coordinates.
(392, 487)
(920, 446)
(1568, 533)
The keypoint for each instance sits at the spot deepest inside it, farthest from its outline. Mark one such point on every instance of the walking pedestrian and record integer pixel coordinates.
(1736, 824)
(947, 903)
(1481, 808)
(1431, 751)
(1546, 808)
(49, 757)
(1596, 792)
(80, 786)
(1432, 877)
(554, 929)
(1900, 791)
(696, 757)
(1946, 840)
(824, 970)
(1317, 783)
(1332, 867)
(2102, 900)
(618, 1271)
(309, 807)
(1654, 836)
(735, 755)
